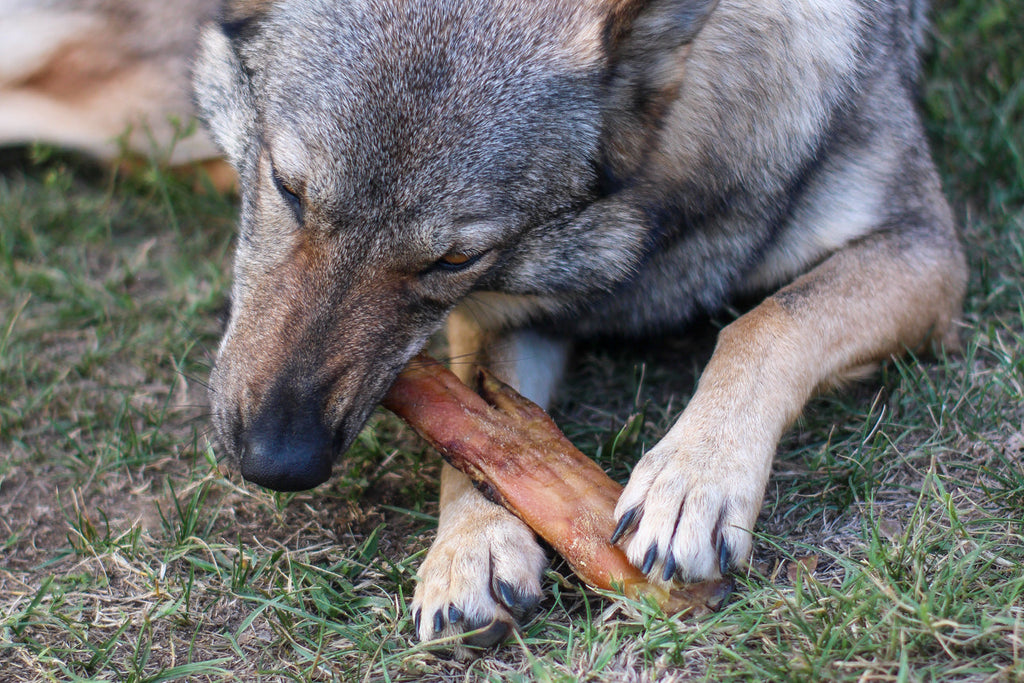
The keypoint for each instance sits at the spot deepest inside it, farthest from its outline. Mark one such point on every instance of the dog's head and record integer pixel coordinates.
(394, 157)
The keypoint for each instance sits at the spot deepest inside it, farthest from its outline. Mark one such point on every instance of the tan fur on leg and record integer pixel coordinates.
(485, 562)
(699, 491)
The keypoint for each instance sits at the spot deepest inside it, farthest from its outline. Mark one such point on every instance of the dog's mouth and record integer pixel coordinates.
(292, 440)
(287, 407)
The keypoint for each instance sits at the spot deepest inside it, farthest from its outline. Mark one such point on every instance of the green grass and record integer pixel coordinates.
(891, 546)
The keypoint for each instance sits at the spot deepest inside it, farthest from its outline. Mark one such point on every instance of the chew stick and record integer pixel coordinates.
(519, 458)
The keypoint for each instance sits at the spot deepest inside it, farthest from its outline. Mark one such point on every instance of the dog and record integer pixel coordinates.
(532, 172)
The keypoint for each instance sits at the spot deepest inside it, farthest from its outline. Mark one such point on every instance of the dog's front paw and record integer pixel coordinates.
(480, 577)
(691, 502)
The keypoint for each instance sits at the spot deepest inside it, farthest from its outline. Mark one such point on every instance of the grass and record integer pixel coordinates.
(890, 546)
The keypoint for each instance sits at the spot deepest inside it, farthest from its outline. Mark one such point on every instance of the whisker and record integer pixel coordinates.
(198, 380)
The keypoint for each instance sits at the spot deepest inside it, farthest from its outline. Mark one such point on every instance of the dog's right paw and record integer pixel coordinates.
(480, 577)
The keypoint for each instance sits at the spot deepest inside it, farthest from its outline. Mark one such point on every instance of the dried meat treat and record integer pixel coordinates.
(519, 458)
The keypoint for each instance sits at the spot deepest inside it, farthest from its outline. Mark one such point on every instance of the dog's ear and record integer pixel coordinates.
(223, 95)
(643, 27)
(647, 43)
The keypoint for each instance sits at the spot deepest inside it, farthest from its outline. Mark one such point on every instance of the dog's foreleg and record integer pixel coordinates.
(483, 570)
(691, 502)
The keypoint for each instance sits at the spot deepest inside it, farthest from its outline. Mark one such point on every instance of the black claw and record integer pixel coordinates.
(495, 632)
(519, 603)
(417, 613)
(670, 568)
(454, 614)
(506, 593)
(527, 605)
(625, 523)
(438, 621)
(724, 559)
(649, 558)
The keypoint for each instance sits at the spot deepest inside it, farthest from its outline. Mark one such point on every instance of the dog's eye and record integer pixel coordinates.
(290, 195)
(457, 260)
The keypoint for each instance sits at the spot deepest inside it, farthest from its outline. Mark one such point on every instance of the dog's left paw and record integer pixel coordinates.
(692, 500)
(480, 578)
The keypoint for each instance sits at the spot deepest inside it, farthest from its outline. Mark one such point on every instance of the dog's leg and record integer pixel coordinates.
(692, 501)
(484, 568)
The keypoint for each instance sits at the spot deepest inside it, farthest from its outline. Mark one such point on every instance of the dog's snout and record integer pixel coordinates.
(288, 447)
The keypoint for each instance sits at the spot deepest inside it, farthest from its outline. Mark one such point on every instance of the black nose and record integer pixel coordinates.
(288, 448)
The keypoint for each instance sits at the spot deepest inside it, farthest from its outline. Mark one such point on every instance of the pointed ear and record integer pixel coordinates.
(648, 45)
(222, 92)
(636, 27)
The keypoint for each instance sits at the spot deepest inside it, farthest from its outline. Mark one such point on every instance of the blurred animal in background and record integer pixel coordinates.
(104, 77)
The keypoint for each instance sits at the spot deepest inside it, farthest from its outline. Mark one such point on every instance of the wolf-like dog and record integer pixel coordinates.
(537, 171)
